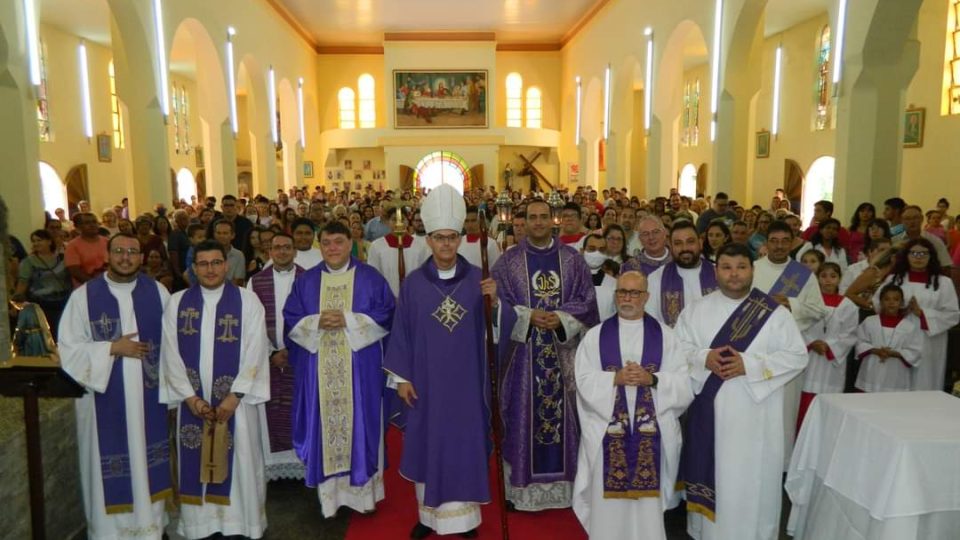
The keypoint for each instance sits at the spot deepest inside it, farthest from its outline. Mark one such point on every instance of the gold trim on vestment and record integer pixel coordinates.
(119, 509)
(632, 494)
(702, 510)
(217, 499)
(335, 377)
(194, 500)
(162, 495)
(467, 509)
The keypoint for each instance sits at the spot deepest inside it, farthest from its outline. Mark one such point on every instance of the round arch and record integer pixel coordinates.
(817, 186)
(186, 185)
(687, 186)
(54, 190)
(442, 168)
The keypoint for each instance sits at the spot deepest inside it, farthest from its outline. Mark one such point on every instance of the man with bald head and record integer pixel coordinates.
(632, 385)
(653, 237)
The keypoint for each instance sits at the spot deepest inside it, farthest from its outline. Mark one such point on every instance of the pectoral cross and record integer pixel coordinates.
(188, 315)
(228, 322)
(103, 327)
(751, 315)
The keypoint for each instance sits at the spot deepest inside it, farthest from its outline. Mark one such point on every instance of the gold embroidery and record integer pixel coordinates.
(752, 315)
(789, 285)
(188, 315)
(671, 305)
(465, 510)
(449, 313)
(335, 377)
(228, 322)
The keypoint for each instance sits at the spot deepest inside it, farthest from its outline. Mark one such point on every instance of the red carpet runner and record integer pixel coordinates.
(397, 514)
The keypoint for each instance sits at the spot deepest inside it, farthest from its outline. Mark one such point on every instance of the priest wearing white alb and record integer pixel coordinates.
(110, 343)
(687, 277)
(470, 246)
(632, 385)
(384, 255)
(744, 349)
(788, 282)
(214, 368)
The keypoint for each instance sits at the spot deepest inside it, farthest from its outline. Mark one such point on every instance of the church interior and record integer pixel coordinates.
(154, 101)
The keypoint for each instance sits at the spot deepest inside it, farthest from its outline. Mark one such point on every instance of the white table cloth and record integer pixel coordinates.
(883, 466)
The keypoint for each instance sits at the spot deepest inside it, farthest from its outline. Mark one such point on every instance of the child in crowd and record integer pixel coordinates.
(812, 259)
(889, 345)
(197, 233)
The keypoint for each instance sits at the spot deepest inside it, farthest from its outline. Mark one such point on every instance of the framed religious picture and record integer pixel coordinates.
(198, 156)
(308, 169)
(438, 99)
(358, 175)
(329, 175)
(367, 165)
(763, 144)
(104, 148)
(348, 164)
(913, 124)
(339, 174)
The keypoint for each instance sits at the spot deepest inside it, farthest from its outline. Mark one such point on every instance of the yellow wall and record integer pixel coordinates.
(540, 69)
(334, 71)
(702, 152)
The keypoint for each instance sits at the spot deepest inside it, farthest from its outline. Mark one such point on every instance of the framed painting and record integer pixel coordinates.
(104, 148)
(763, 144)
(913, 124)
(425, 99)
(308, 169)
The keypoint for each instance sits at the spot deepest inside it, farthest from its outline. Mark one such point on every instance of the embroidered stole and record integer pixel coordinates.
(697, 457)
(671, 289)
(226, 364)
(791, 280)
(335, 376)
(111, 408)
(631, 454)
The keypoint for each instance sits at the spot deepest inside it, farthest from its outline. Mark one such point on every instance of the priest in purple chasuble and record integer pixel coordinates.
(272, 286)
(547, 301)
(214, 368)
(686, 278)
(110, 342)
(437, 362)
(336, 317)
(743, 349)
(632, 386)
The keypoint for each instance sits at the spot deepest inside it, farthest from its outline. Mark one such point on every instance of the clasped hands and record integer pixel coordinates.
(332, 319)
(725, 362)
(201, 409)
(632, 374)
(544, 320)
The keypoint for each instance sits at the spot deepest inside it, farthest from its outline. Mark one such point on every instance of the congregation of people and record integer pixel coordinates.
(649, 353)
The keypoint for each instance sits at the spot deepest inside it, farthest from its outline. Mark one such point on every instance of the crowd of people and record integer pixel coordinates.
(287, 332)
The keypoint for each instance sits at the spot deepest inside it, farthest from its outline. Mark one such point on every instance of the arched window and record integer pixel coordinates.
(951, 68)
(43, 105)
(822, 98)
(175, 96)
(54, 190)
(514, 100)
(348, 108)
(368, 101)
(534, 108)
(118, 139)
(817, 186)
(186, 185)
(690, 115)
(185, 118)
(442, 168)
(688, 181)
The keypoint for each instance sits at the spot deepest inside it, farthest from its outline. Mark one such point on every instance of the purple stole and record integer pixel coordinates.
(281, 382)
(671, 289)
(791, 280)
(547, 401)
(111, 410)
(631, 454)
(697, 457)
(226, 365)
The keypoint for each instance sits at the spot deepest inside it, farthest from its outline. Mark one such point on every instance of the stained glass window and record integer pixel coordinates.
(185, 118)
(951, 67)
(690, 114)
(823, 86)
(348, 108)
(442, 168)
(514, 100)
(175, 96)
(534, 108)
(118, 138)
(43, 105)
(368, 101)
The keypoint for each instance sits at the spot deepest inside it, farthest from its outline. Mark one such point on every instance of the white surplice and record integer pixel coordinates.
(691, 288)
(90, 363)
(613, 519)
(246, 514)
(749, 418)
(837, 255)
(891, 375)
(838, 330)
(384, 258)
(606, 293)
(852, 273)
(471, 252)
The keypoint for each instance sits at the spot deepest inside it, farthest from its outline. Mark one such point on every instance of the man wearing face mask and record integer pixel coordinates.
(604, 283)
(685, 279)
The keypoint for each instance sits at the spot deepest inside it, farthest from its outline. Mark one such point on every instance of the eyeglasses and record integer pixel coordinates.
(203, 265)
(445, 238)
(632, 293)
(918, 254)
(119, 251)
(648, 234)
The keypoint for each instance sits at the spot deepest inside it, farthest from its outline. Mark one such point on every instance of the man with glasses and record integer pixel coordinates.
(632, 386)
(654, 254)
(86, 255)
(336, 317)
(720, 209)
(438, 364)
(110, 342)
(214, 369)
(912, 217)
(272, 286)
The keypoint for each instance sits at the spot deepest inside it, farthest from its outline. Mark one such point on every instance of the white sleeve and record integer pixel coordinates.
(362, 331)
(673, 392)
(253, 377)
(571, 326)
(778, 357)
(595, 387)
(522, 327)
(88, 362)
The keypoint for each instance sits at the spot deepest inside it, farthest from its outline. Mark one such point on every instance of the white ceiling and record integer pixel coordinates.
(782, 14)
(89, 19)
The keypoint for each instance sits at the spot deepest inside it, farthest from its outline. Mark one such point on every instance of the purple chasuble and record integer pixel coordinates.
(277, 410)
(791, 280)
(111, 410)
(371, 297)
(671, 289)
(631, 454)
(438, 344)
(643, 264)
(697, 457)
(226, 364)
(537, 381)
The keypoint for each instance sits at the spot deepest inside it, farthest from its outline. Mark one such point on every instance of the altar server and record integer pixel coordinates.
(889, 345)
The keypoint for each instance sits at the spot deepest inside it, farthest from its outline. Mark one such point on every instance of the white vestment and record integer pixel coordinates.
(891, 375)
(90, 364)
(691, 289)
(246, 514)
(614, 519)
(826, 374)
(471, 252)
(749, 442)
(283, 464)
(384, 258)
(940, 314)
(606, 293)
(852, 273)
(308, 258)
(837, 255)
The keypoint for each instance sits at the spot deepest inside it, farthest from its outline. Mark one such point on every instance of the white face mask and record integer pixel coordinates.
(594, 259)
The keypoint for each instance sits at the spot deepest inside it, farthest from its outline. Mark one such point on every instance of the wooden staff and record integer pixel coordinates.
(494, 386)
(399, 231)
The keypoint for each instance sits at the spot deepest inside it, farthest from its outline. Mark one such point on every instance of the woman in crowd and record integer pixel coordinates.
(758, 239)
(826, 241)
(359, 246)
(609, 216)
(716, 236)
(795, 224)
(878, 228)
(161, 228)
(43, 279)
(592, 222)
(258, 253)
(934, 225)
(156, 266)
(859, 223)
(616, 245)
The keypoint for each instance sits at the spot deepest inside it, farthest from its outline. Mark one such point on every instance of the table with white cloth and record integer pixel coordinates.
(882, 466)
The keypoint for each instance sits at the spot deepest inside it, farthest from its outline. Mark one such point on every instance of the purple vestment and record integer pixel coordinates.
(671, 289)
(537, 383)
(371, 297)
(643, 263)
(437, 344)
(791, 280)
